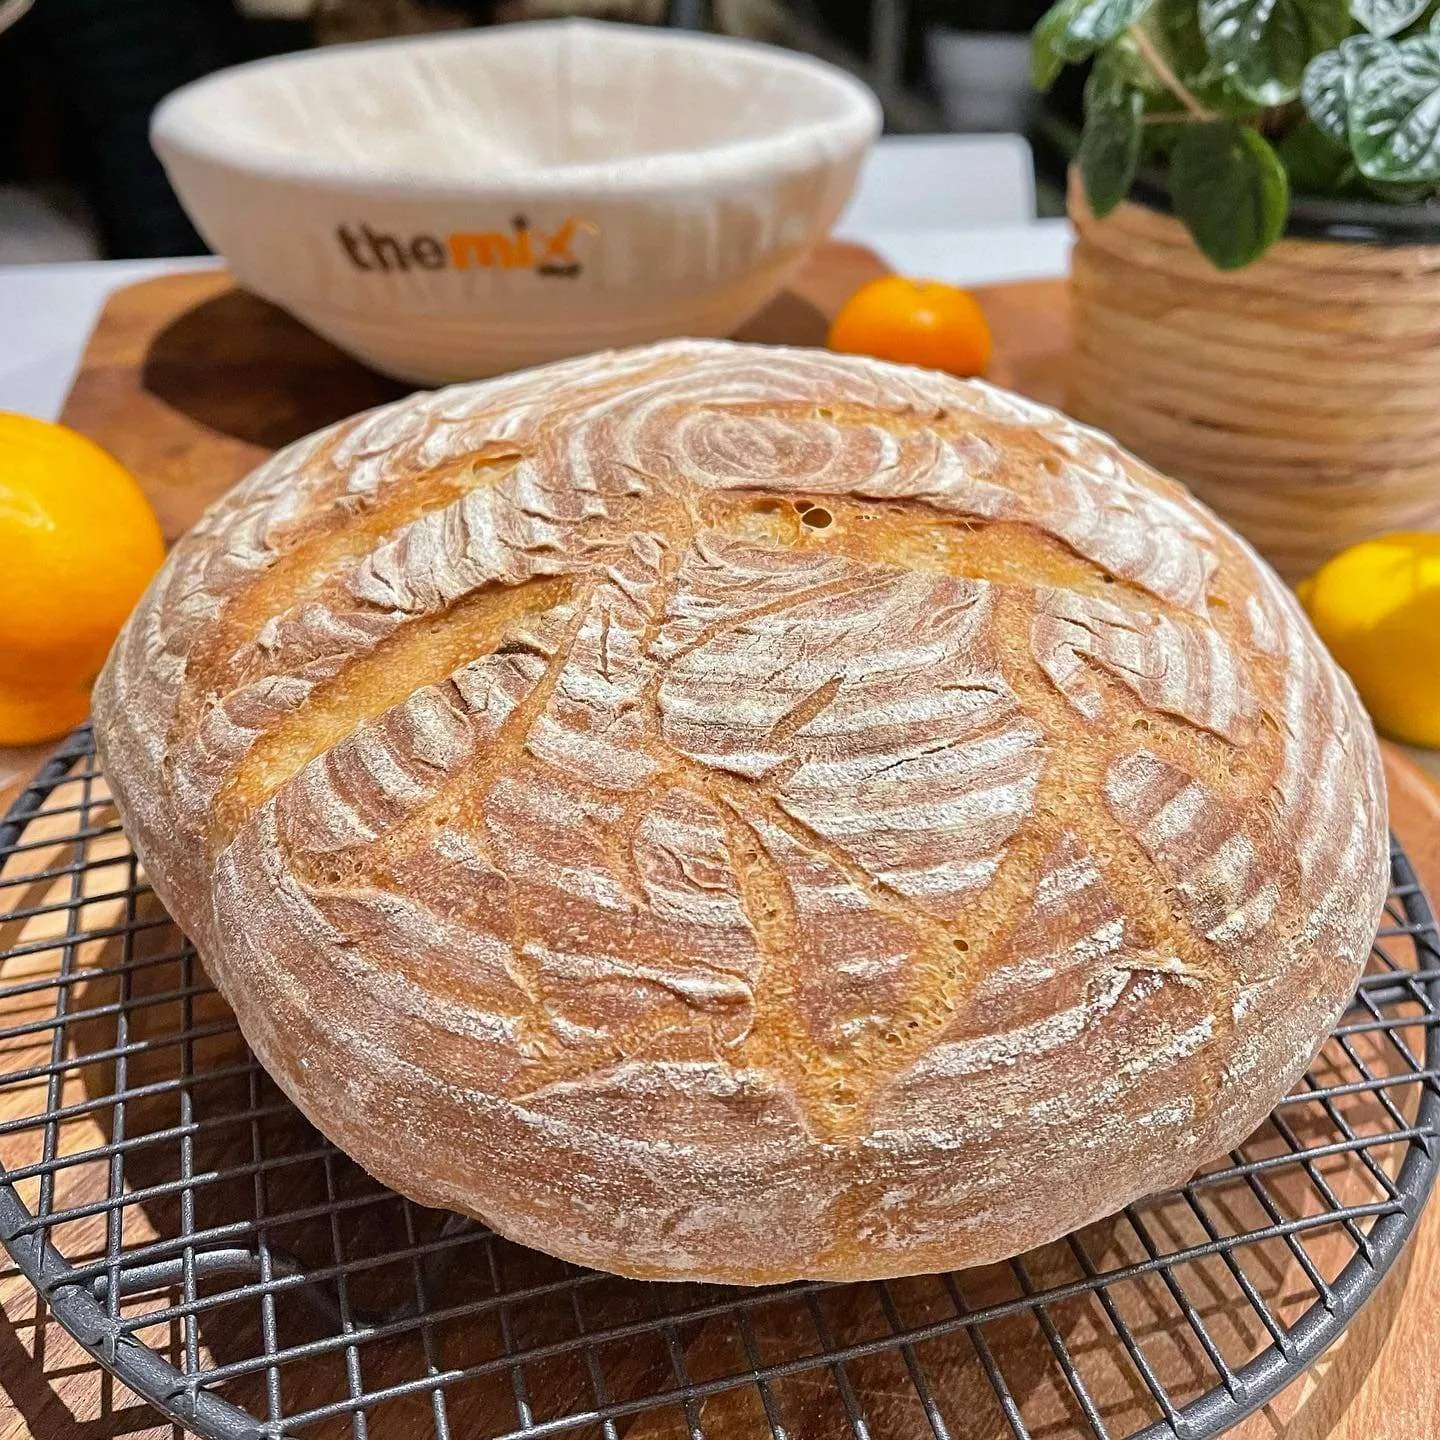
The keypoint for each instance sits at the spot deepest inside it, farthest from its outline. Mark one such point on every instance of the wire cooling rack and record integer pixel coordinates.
(186, 1225)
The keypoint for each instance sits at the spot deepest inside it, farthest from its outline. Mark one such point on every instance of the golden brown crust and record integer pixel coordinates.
(741, 813)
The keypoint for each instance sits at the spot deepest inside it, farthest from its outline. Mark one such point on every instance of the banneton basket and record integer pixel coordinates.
(1299, 396)
(445, 207)
(183, 1222)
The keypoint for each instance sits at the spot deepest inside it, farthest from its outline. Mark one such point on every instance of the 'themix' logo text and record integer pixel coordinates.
(522, 247)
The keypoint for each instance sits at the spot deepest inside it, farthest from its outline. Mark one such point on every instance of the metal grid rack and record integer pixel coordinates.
(186, 1225)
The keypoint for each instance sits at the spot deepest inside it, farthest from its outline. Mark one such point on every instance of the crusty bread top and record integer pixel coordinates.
(825, 725)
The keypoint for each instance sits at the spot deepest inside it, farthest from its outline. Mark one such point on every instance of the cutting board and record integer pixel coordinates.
(191, 382)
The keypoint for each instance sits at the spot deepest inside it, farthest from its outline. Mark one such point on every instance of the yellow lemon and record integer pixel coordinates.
(79, 544)
(1377, 606)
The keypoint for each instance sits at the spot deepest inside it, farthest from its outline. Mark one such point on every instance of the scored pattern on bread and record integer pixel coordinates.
(744, 813)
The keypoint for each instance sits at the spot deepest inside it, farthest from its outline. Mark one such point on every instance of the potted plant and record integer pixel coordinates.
(1256, 277)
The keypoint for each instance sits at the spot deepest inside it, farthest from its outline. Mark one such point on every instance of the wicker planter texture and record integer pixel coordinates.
(1299, 397)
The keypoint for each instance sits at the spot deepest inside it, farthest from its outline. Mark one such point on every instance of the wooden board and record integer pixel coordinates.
(191, 382)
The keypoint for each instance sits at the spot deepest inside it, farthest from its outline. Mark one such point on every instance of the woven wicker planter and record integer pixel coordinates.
(1299, 397)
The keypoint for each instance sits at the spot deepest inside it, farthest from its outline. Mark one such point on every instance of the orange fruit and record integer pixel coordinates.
(914, 322)
(79, 544)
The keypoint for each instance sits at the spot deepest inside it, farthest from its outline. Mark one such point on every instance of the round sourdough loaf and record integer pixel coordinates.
(738, 813)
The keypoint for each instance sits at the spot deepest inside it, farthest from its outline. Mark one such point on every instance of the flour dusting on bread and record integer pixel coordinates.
(737, 813)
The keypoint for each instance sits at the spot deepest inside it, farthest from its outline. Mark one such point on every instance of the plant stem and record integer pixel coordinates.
(1167, 77)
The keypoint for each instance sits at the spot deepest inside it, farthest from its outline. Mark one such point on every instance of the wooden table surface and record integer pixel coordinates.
(180, 383)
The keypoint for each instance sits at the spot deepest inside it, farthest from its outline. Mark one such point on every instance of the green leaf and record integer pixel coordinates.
(1316, 163)
(1329, 82)
(1073, 30)
(1395, 112)
(1110, 144)
(1435, 23)
(1384, 18)
(1047, 58)
(1121, 63)
(1097, 22)
(1230, 190)
(1173, 27)
(1265, 45)
(1159, 140)
(1325, 89)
